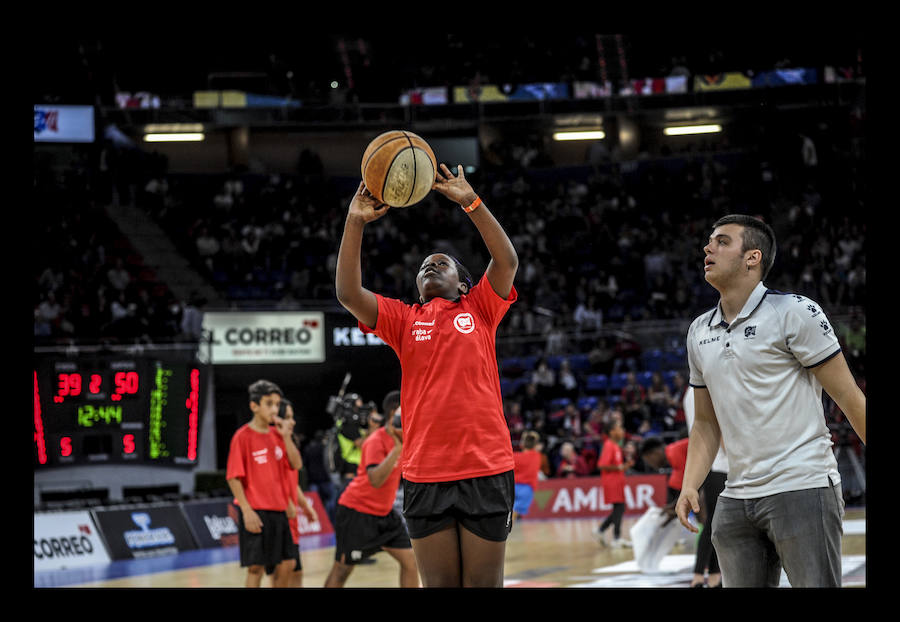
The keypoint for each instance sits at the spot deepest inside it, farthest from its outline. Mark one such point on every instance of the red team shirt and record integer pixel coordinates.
(528, 464)
(453, 423)
(260, 460)
(360, 495)
(613, 481)
(676, 453)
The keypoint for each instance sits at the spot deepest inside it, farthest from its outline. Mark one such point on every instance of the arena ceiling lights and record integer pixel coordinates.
(682, 130)
(173, 132)
(580, 135)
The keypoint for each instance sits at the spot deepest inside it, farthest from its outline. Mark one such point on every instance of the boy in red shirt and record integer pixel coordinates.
(365, 519)
(457, 457)
(298, 503)
(527, 467)
(260, 453)
(657, 455)
(612, 466)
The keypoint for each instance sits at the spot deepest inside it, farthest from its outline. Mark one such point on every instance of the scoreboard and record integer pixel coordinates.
(116, 409)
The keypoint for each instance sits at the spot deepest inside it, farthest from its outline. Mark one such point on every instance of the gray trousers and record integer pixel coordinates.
(799, 531)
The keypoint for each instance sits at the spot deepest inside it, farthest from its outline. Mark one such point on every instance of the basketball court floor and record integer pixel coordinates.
(540, 554)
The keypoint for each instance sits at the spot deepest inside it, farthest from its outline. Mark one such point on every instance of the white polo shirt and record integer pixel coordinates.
(768, 403)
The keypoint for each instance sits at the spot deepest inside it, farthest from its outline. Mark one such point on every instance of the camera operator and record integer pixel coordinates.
(350, 420)
(366, 520)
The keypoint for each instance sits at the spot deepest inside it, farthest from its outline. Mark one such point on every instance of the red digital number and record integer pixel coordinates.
(67, 384)
(65, 446)
(128, 443)
(126, 382)
(96, 381)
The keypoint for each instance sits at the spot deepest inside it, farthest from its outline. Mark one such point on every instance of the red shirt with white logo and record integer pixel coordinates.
(453, 423)
(259, 460)
(613, 482)
(360, 494)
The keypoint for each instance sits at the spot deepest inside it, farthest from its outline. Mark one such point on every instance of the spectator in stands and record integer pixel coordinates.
(659, 401)
(565, 466)
(634, 403)
(566, 381)
(118, 276)
(544, 379)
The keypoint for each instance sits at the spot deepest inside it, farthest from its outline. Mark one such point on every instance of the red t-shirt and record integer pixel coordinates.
(360, 494)
(676, 453)
(453, 422)
(528, 464)
(613, 482)
(259, 460)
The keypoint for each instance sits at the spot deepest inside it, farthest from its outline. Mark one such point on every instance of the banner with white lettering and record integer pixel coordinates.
(142, 531)
(274, 337)
(584, 497)
(67, 540)
(211, 522)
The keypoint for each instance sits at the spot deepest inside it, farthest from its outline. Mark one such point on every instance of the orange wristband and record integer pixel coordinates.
(473, 206)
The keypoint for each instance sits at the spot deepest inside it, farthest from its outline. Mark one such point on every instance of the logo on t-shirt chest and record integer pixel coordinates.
(464, 323)
(422, 331)
(261, 456)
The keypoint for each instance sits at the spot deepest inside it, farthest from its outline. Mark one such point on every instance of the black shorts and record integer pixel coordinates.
(297, 567)
(271, 546)
(359, 535)
(483, 505)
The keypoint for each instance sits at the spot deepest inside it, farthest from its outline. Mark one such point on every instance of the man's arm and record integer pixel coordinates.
(835, 377)
(501, 270)
(703, 445)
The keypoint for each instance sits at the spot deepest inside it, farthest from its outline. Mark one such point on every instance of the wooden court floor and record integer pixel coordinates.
(539, 554)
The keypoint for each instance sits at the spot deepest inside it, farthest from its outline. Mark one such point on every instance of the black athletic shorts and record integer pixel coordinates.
(483, 505)
(296, 557)
(271, 546)
(359, 535)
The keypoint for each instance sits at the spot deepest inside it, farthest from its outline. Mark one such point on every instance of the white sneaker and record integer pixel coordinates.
(598, 536)
(621, 543)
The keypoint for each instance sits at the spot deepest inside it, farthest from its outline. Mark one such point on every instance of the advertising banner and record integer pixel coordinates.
(63, 124)
(145, 531)
(211, 522)
(276, 337)
(583, 497)
(65, 540)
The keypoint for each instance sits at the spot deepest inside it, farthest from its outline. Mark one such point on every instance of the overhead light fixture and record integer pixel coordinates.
(582, 135)
(173, 132)
(174, 137)
(681, 130)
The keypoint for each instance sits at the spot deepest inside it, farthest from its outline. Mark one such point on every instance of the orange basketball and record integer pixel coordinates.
(398, 168)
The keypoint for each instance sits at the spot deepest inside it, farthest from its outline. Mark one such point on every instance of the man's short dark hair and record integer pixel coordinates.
(390, 402)
(651, 444)
(261, 388)
(756, 235)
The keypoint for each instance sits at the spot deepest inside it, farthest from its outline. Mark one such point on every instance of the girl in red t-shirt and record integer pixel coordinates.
(528, 465)
(457, 458)
(612, 465)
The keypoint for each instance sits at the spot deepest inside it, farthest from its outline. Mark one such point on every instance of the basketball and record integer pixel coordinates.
(398, 168)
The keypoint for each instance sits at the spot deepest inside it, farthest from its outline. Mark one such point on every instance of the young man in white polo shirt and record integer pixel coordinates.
(758, 364)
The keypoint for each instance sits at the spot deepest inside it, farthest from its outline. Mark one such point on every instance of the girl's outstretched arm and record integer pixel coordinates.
(359, 301)
(501, 270)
